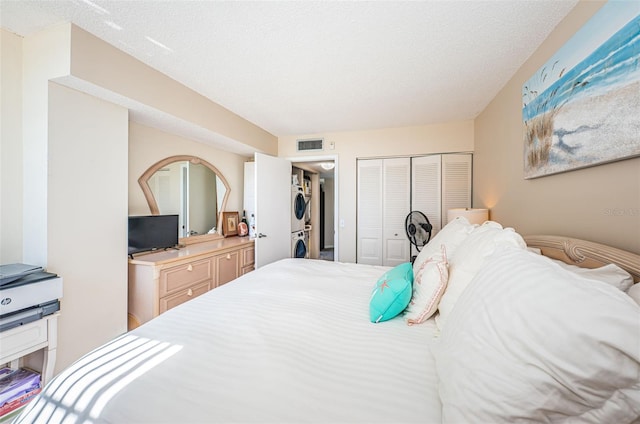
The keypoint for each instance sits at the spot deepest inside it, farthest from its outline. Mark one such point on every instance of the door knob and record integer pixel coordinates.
(260, 235)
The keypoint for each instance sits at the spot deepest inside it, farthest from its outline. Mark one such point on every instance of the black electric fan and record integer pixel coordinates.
(418, 229)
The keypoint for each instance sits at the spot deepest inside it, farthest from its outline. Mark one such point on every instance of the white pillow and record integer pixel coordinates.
(451, 235)
(611, 274)
(429, 283)
(465, 263)
(634, 293)
(531, 342)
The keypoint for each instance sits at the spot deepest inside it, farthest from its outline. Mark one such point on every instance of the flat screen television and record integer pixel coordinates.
(152, 232)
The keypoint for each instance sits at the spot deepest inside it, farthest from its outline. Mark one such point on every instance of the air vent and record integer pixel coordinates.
(310, 145)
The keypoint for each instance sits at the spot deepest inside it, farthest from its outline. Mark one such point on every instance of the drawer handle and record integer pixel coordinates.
(228, 255)
(190, 268)
(190, 292)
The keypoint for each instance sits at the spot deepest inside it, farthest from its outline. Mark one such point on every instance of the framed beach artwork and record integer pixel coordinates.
(582, 108)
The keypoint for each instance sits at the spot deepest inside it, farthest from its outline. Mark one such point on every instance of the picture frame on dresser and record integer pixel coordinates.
(230, 223)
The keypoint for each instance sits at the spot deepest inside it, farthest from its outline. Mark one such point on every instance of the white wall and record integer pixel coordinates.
(45, 57)
(389, 142)
(87, 218)
(10, 148)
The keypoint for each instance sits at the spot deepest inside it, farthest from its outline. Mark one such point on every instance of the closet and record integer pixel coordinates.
(388, 189)
(384, 199)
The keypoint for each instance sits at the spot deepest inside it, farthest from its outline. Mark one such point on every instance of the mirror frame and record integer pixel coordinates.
(153, 204)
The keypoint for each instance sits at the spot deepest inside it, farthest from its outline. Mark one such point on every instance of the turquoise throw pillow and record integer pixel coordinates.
(392, 293)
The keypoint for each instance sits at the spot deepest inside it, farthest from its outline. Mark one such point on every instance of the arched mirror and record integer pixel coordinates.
(190, 187)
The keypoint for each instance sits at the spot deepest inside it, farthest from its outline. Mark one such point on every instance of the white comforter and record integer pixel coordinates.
(290, 342)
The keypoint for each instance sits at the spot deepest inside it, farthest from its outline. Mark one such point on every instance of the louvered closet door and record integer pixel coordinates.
(369, 229)
(456, 183)
(396, 200)
(426, 185)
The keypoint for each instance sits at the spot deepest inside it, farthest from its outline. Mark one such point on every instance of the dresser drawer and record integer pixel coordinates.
(182, 276)
(227, 267)
(182, 296)
(248, 256)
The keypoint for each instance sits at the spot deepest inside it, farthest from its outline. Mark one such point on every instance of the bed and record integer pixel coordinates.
(292, 342)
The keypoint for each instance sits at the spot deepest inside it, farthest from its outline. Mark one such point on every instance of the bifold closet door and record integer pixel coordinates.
(396, 201)
(456, 183)
(383, 204)
(369, 215)
(426, 189)
(440, 183)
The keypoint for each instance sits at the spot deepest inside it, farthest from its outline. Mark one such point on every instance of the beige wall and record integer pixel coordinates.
(87, 218)
(73, 226)
(99, 63)
(76, 226)
(45, 57)
(349, 146)
(10, 148)
(601, 203)
(149, 145)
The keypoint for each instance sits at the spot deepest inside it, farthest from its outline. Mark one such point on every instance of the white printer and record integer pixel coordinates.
(27, 293)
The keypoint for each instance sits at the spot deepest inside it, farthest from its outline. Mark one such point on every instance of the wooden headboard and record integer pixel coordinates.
(585, 254)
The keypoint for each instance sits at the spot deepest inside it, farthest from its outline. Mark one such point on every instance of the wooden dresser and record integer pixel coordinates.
(159, 281)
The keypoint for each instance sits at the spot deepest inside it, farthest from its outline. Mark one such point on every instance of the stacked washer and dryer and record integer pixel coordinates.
(299, 243)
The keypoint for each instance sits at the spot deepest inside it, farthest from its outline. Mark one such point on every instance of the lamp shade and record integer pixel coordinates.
(474, 216)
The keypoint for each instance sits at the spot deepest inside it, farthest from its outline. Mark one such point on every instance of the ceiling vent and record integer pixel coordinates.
(310, 145)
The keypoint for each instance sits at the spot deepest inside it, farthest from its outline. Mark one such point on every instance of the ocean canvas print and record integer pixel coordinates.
(582, 108)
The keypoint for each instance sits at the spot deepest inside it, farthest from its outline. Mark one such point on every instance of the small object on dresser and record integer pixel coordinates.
(243, 229)
(252, 226)
(230, 224)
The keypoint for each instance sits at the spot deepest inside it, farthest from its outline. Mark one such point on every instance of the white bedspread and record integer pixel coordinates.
(290, 342)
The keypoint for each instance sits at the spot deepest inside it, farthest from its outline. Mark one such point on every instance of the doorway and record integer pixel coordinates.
(321, 225)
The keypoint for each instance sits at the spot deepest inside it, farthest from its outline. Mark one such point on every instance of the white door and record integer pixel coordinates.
(273, 209)
(426, 191)
(369, 207)
(456, 183)
(250, 189)
(396, 197)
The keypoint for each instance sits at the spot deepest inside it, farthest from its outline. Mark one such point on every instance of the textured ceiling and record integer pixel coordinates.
(319, 66)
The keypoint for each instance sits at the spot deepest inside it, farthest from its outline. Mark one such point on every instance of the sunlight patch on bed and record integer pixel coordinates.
(100, 375)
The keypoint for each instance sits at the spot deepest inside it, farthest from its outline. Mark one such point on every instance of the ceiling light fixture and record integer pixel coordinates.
(328, 165)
